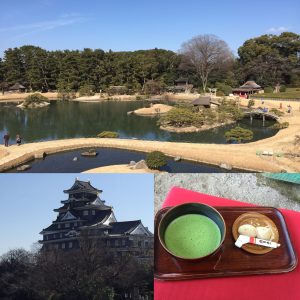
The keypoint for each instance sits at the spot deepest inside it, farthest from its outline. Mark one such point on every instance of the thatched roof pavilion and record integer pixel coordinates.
(17, 87)
(249, 87)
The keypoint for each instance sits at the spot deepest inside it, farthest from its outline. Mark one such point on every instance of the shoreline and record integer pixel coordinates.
(194, 128)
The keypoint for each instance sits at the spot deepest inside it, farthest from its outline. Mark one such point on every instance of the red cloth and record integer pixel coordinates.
(275, 287)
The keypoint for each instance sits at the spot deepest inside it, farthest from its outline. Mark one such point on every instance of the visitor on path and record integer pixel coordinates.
(18, 139)
(6, 139)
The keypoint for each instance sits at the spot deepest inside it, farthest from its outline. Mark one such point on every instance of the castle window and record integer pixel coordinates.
(70, 245)
(58, 226)
(54, 235)
(60, 235)
(63, 245)
(85, 212)
(46, 237)
(108, 243)
(67, 225)
(93, 212)
(116, 242)
(123, 242)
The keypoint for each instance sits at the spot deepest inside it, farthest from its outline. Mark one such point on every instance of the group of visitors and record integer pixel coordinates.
(7, 137)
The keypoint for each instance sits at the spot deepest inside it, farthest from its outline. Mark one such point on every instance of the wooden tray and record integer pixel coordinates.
(228, 260)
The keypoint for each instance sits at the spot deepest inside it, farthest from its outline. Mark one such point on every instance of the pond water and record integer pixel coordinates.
(62, 120)
(63, 162)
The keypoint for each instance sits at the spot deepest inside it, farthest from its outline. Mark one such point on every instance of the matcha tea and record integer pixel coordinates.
(192, 236)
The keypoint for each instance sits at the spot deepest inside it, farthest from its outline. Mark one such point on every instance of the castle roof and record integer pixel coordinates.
(82, 186)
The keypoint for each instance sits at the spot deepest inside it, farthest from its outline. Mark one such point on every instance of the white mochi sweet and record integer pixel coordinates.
(247, 230)
(264, 233)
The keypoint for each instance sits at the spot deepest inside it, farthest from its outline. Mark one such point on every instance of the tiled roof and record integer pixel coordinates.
(82, 186)
(123, 227)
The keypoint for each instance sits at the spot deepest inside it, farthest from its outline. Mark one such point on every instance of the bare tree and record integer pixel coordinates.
(205, 53)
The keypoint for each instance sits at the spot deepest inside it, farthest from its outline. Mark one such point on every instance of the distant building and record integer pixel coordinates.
(17, 88)
(204, 101)
(250, 87)
(181, 85)
(117, 90)
(84, 213)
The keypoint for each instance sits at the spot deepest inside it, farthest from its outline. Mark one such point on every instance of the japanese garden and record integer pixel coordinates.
(208, 109)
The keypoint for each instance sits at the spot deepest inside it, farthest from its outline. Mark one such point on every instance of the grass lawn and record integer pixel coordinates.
(290, 93)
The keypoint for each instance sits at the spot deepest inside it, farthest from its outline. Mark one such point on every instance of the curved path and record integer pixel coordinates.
(238, 156)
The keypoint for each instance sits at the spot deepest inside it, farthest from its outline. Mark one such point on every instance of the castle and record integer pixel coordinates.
(84, 214)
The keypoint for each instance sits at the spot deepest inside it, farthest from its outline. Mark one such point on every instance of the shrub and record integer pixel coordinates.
(65, 91)
(231, 110)
(282, 89)
(35, 98)
(153, 87)
(268, 89)
(86, 90)
(181, 117)
(155, 160)
(280, 125)
(108, 134)
(222, 87)
(238, 134)
(276, 112)
(220, 94)
(251, 103)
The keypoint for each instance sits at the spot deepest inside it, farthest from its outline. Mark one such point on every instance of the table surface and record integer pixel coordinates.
(275, 287)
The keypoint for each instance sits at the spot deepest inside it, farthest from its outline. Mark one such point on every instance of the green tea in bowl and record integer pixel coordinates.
(192, 231)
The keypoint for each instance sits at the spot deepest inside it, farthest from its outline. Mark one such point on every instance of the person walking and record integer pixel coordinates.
(18, 139)
(6, 139)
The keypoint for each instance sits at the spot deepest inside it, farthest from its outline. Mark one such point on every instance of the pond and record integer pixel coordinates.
(63, 162)
(63, 120)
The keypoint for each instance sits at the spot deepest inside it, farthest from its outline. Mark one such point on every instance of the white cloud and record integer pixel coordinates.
(277, 29)
(27, 29)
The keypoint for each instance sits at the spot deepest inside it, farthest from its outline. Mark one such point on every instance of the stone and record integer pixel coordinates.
(90, 152)
(140, 165)
(177, 158)
(225, 166)
(75, 158)
(132, 163)
(40, 155)
(23, 168)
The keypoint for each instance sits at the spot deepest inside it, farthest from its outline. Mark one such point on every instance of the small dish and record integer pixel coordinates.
(255, 219)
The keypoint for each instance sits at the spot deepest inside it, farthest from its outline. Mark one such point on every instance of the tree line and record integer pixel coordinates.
(205, 60)
(91, 272)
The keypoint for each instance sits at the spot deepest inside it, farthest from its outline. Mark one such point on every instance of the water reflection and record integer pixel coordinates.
(62, 120)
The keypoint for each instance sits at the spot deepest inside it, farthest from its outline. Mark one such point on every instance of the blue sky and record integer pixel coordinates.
(139, 24)
(27, 202)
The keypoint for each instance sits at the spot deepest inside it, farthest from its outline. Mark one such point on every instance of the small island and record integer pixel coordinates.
(153, 110)
(194, 118)
(35, 100)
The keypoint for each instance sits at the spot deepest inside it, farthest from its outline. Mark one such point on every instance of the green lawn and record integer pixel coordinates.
(291, 93)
